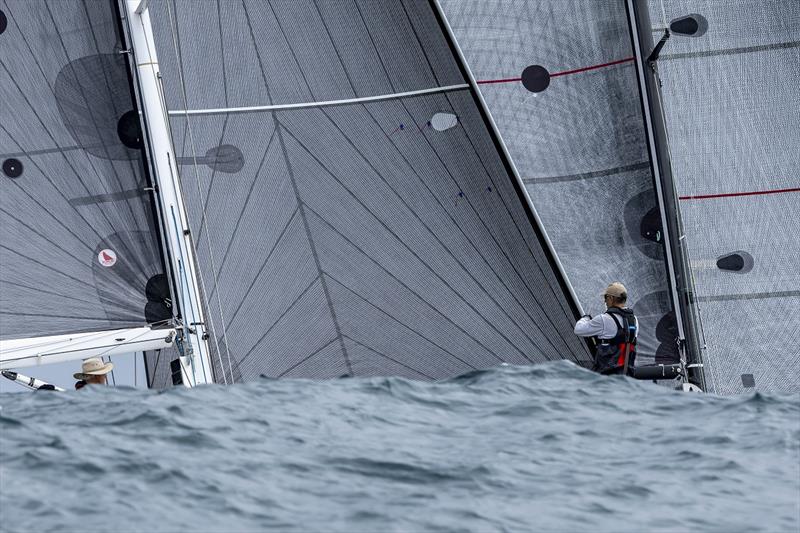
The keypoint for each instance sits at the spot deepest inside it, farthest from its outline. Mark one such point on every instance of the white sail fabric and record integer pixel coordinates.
(731, 101)
(21, 353)
(78, 244)
(342, 233)
(579, 144)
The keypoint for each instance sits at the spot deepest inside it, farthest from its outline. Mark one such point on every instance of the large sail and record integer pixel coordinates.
(79, 249)
(730, 99)
(559, 80)
(351, 209)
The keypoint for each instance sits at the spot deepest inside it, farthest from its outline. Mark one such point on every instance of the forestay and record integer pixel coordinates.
(731, 101)
(559, 79)
(79, 250)
(351, 210)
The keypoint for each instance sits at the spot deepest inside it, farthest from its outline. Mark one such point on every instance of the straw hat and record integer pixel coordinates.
(93, 366)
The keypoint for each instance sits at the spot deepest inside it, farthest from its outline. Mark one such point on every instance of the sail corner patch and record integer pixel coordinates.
(535, 78)
(107, 257)
(443, 121)
(12, 167)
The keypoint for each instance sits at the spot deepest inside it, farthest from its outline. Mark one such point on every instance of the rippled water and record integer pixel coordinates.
(552, 447)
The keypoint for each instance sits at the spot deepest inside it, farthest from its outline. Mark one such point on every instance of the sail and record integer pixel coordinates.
(79, 250)
(730, 97)
(350, 207)
(559, 80)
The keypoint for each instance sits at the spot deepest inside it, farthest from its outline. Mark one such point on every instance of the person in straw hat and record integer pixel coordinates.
(615, 332)
(93, 372)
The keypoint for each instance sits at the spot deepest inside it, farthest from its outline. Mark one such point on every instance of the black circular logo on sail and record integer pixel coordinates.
(535, 78)
(130, 130)
(3, 21)
(12, 168)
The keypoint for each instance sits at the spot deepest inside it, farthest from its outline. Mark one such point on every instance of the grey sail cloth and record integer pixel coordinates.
(730, 101)
(72, 194)
(365, 238)
(579, 144)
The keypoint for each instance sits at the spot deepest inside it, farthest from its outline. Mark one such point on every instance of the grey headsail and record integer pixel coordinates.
(79, 249)
(730, 101)
(559, 80)
(351, 210)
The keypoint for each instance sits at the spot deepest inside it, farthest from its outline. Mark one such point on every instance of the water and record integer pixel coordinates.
(552, 447)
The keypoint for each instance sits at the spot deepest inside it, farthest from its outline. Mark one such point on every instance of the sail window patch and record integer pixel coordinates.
(692, 25)
(443, 121)
(738, 261)
(650, 228)
(129, 130)
(3, 21)
(12, 167)
(535, 78)
(748, 381)
(107, 257)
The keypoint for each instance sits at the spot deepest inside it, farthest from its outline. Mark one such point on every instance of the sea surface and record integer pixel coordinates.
(546, 448)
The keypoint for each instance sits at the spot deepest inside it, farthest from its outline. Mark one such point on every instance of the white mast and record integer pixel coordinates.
(196, 364)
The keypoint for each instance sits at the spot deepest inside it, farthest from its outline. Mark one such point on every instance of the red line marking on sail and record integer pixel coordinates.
(562, 73)
(733, 194)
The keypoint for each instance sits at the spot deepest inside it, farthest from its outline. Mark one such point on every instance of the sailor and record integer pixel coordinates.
(93, 372)
(615, 332)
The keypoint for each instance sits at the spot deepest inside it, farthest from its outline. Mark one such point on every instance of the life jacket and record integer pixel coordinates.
(610, 356)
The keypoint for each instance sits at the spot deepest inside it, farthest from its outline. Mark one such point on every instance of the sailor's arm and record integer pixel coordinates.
(588, 326)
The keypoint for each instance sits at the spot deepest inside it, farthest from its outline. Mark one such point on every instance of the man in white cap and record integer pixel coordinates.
(93, 372)
(615, 331)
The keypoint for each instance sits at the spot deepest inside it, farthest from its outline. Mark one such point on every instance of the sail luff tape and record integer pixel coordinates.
(278, 107)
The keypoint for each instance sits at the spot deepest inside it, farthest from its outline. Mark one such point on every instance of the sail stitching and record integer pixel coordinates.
(409, 289)
(409, 328)
(311, 242)
(439, 240)
(376, 352)
(414, 253)
(521, 235)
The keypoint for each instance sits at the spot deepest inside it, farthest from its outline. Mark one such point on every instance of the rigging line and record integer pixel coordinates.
(392, 359)
(563, 72)
(326, 103)
(438, 239)
(739, 194)
(204, 225)
(113, 378)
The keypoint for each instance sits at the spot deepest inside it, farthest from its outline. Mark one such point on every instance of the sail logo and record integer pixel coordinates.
(107, 258)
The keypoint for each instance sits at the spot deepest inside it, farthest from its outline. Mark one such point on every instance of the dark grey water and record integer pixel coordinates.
(552, 447)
